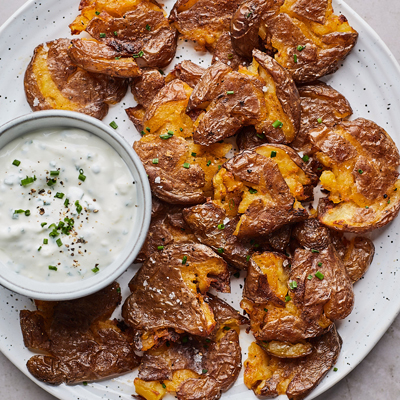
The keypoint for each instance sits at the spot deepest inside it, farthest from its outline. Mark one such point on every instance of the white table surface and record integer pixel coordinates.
(378, 376)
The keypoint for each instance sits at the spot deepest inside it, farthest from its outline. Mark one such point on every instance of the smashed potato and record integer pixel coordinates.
(308, 40)
(52, 81)
(361, 163)
(264, 186)
(270, 376)
(168, 294)
(80, 341)
(180, 172)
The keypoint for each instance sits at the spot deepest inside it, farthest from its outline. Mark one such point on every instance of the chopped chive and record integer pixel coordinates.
(366, 207)
(184, 259)
(161, 72)
(220, 250)
(97, 13)
(54, 173)
(387, 202)
(167, 135)
(288, 298)
(248, 258)
(81, 177)
(226, 328)
(51, 182)
(28, 180)
(163, 385)
(59, 195)
(273, 153)
(52, 267)
(309, 277)
(148, 129)
(181, 129)
(221, 226)
(59, 242)
(95, 269)
(118, 290)
(248, 15)
(260, 136)
(319, 275)
(113, 125)
(319, 264)
(140, 54)
(277, 124)
(305, 158)
(319, 120)
(208, 163)
(160, 247)
(252, 191)
(16, 163)
(295, 58)
(186, 165)
(142, 133)
(27, 213)
(314, 251)
(230, 92)
(266, 309)
(45, 241)
(43, 224)
(300, 47)
(66, 202)
(118, 58)
(236, 274)
(78, 207)
(185, 339)
(19, 211)
(335, 369)
(293, 285)
(194, 154)
(53, 233)
(115, 33)
(155, 161)
(360, 171)
(148, 27)
(40, 248)
(204, 371)
(102, 35)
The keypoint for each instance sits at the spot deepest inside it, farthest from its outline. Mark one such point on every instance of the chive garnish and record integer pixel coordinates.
(115, 34)
(59, 242)
(140, 54)
(314, 251)
(208, 163)
(40, 248)
(45, 241)
(28, 180)
(54, 173)
(148, 129)
(66, 202)
(226, 328)
(305, 158)
(319, 120)
(319, 264)
(160, 247)
(51, 182)
(293, 285)
(113, 125)
(319, 275)
(81, 177)
(204, 371)
(260, 136)
(52, 267)
(27, 213)
(248, 258)
(19, 211)
(288, 298)
(230, 92)
(16, 163)
(186, 165)
(295, 58)
(155, 160)
(194, 154)
(102, 35)
(309, 277)
(220, 250)
(167, 135)
(163, 385)
(252, 191)
(300, 47)
(97, 12)
(43, 224)
(148, 27)
(335, 369)
(221, 226)
(78, 207)
(59, 195)
(277, 124)
(184, 259)
(95, 269)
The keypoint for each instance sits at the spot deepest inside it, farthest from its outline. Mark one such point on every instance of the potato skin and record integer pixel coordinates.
(224, 52)
(162, 274)
(318, 101)
(188, 72)
(80, 341)
(99, 58)
(73, 88)
(145, 87)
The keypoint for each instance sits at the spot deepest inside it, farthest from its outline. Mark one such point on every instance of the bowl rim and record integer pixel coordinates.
(143, 216)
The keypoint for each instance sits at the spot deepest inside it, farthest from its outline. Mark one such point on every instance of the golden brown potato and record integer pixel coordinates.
(361, 163)
(320, 104)
(52, 81)
(225, 53)
(80, 341)
(97, 57)
(188, 72)
(308, 39)
(167, 226)
(180, 172)
(203, 21)
(286, 349)
(136, 115)
(168, 294)
(196, 368)
(145, 87)
(269, 376)
(135, 28)
(264, 186)
(263, 95)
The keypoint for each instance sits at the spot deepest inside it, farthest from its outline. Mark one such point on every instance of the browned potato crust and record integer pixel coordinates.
(97, 57)
(80, 341)
(270, 376)
(195, 368)
(171, 283)
(225, 53)
(52, 81)
(307, 38)
(136, 115)
(145, 87)
(180, 172)
(286, 349)
(188, 72)
(264, 186)
(263, 95)
(361, 161)
(319, 102)
(203, 21)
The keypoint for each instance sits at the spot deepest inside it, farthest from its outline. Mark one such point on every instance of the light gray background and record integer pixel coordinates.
(378, 376)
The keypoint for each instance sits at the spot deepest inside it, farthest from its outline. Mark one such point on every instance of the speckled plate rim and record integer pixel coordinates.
(67, 291)
(373, 339)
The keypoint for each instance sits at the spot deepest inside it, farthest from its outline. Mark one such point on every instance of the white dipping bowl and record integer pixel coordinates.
(65, 291)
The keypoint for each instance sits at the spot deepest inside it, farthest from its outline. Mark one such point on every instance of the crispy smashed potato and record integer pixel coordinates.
(195, 368)
(145, 87)
(168, 294)
(180, 172)
(52, 81)
(203, 21)
(270, 376)
(264, 186)
(97, 57)
(263, 95)
(225, 53)
(320, 104)
(80, 341)
(133, 28)
(308, 40)
(361, 163)
(188, 72)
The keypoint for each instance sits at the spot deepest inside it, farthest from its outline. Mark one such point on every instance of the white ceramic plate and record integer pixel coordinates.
(370, 80)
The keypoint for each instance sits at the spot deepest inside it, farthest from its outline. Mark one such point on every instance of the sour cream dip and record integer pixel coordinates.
(67, 205)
